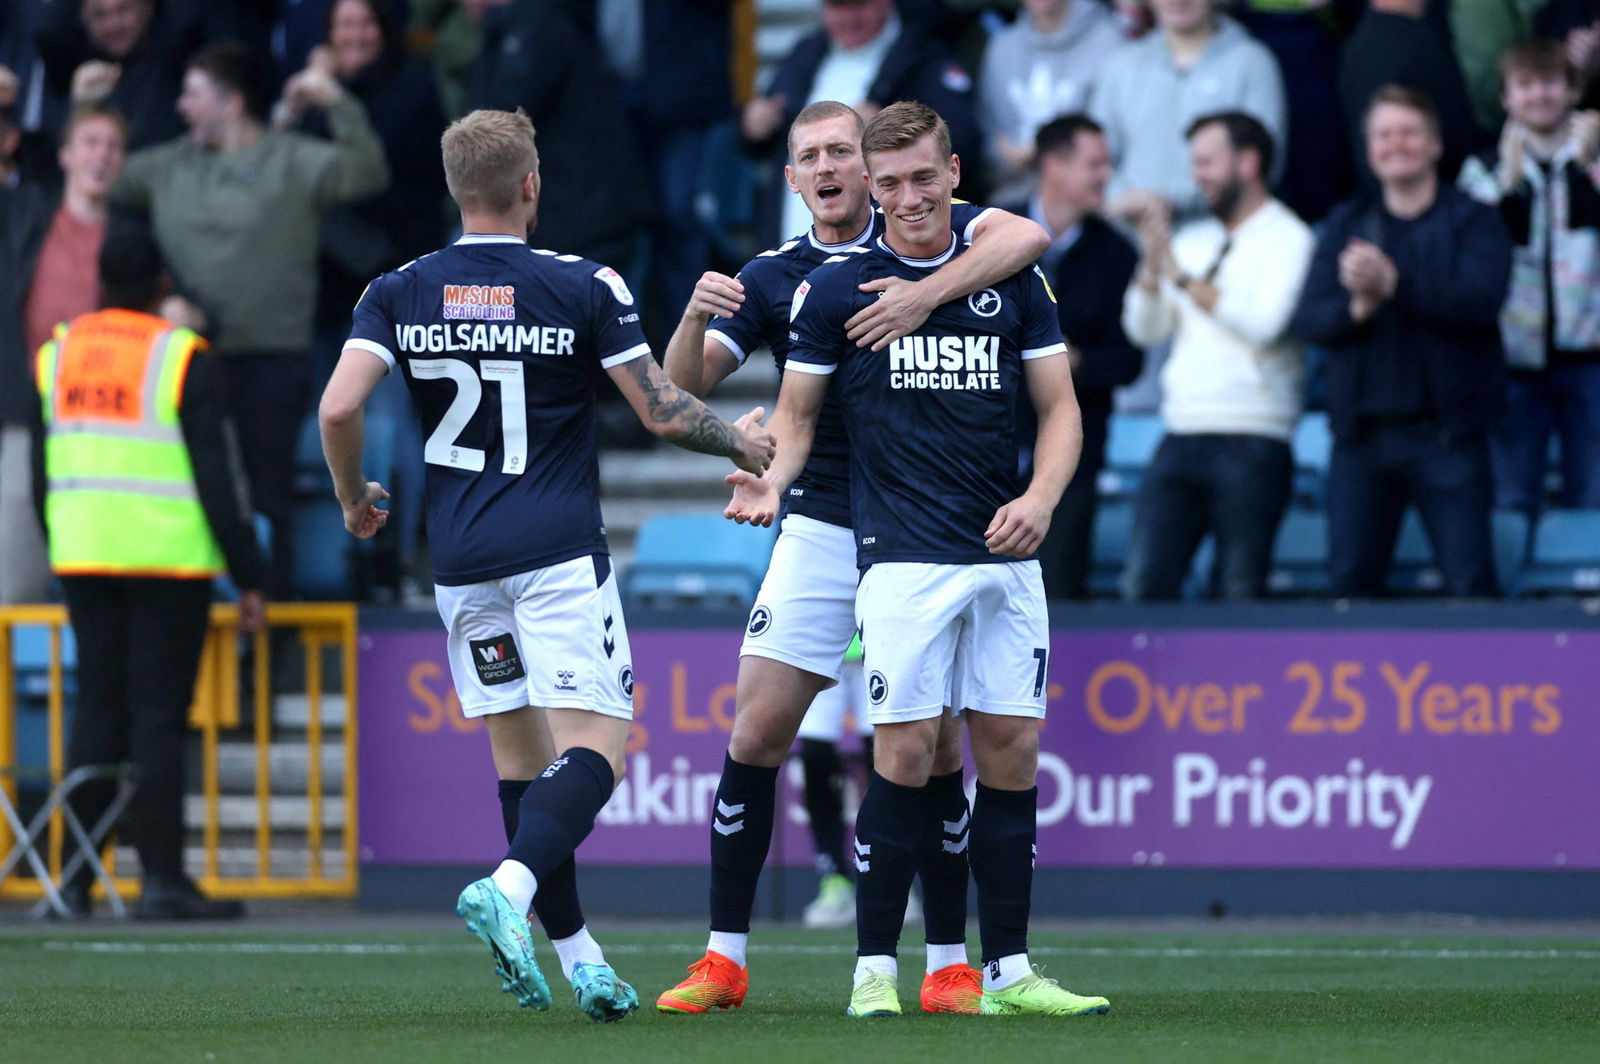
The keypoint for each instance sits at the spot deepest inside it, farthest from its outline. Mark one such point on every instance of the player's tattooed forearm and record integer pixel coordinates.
(703, 430)
(666, 401)
(709, 434)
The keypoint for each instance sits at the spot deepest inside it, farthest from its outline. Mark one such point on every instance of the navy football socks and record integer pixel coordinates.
(556, 905)
(1004, 829)
(890, 829)
(943, 867)
(824, 776)
(741, 832)
(557, 810)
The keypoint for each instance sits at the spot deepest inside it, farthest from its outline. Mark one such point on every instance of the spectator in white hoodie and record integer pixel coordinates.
(1038, 68)
(1222, 290)
(1148, 92)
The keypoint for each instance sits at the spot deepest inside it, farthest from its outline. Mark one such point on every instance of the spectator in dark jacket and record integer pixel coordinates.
(541, 56)
(864, 56)
(1089, 264)
(130, 53)
(673, 60)
(1405, 292)
(1396, 43)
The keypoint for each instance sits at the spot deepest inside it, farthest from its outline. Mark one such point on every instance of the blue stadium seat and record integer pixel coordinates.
(1565, 559)
(1300, 555)
(1413, 571)
(30, 660)
(1131, 443)
(324, 556)
(1513, 540)
(1108, 550)
(697, 560)
(1312, 446)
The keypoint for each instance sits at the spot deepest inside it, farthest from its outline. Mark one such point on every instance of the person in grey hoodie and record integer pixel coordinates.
(1148, 92)
(1038, 68)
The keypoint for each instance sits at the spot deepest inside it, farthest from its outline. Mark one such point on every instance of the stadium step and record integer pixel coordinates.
(288, 767)
(286, 812)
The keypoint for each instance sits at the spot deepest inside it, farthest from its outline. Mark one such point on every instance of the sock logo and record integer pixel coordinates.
(994, 970)
(729, 819)
(555, 766)
(862, 851)
(609, 643)
(877, 688)
(955, 833)
(760, 621)
(496, 659)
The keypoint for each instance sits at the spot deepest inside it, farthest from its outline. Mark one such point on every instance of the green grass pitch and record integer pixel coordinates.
(108, 994)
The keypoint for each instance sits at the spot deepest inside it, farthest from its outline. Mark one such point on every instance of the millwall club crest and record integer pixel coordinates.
(760, 621)
(877, 688)
(984, 303)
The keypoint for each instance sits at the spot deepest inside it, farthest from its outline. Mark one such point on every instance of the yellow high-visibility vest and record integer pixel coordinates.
(121, 496)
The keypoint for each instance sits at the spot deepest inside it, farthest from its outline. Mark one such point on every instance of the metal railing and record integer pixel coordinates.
(217, 709)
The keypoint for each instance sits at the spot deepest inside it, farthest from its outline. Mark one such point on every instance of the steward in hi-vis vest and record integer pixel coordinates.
(121, 494)
(143, 505)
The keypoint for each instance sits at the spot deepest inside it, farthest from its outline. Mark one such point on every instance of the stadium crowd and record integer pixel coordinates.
(1385, 211)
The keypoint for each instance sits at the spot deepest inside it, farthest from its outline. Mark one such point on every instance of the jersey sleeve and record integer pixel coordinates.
(752, 325)
(966, 217)
(373, 326)
(1041, 321)
(618, 335)
(816, 321)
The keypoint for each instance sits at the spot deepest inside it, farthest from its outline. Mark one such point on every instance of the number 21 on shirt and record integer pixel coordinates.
(441, 448)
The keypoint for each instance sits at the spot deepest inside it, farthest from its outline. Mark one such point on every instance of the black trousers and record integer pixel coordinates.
(269, 398)
(139, 643)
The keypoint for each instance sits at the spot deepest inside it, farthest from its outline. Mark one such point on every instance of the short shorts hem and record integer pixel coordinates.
(903, 716)
(1006, 709)
(811, 665)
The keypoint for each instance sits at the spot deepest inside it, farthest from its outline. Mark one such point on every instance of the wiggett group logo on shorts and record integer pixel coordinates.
(496, 659)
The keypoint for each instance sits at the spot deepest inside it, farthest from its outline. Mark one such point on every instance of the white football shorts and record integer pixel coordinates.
(551, 637)
(805, 612)
(977, 633)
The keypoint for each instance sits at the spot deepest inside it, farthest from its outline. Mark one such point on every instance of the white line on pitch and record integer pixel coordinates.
(1170, 952)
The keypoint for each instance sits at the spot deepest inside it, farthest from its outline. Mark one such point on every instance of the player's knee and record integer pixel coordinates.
(904, 753)
(1005, 751)
(757, 745)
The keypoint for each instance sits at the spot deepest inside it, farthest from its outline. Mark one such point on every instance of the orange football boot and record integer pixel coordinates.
(714, 982)
(957, 988)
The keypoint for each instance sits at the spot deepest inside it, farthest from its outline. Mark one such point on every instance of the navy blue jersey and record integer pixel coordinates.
(822, 490)
(501, 345)
(932, 417)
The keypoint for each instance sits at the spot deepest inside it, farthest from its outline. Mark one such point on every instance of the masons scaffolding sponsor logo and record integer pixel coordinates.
(480, 302)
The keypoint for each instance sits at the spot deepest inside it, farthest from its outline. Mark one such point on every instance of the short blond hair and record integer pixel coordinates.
(901, 125)
(486, 155)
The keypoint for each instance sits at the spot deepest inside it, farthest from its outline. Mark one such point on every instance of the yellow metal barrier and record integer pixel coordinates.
(216, 708)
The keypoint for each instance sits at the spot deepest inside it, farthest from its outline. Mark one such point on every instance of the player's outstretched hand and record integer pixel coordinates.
(362, 518)
(900, 309)
(759, 445)
(716, 295)
(1017, 528)
(754, 501)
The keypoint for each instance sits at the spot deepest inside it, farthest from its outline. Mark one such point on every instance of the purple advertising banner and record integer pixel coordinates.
(1184, 749)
